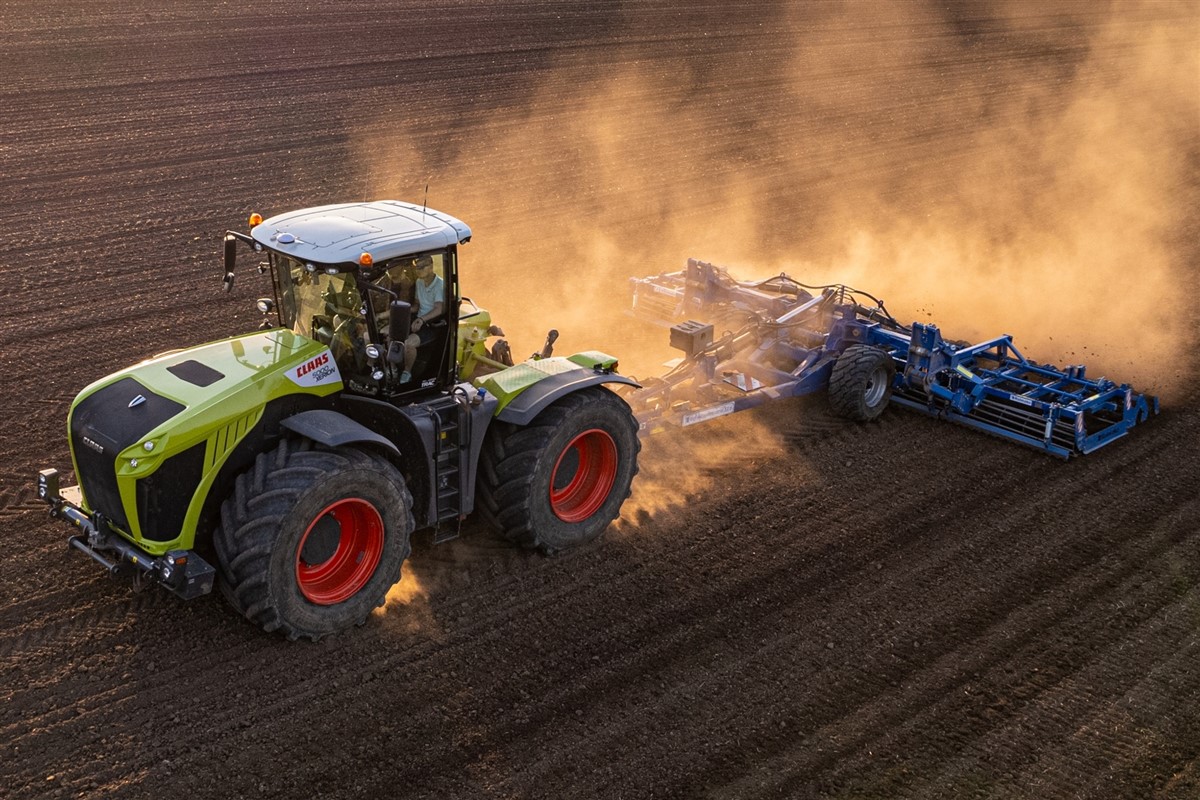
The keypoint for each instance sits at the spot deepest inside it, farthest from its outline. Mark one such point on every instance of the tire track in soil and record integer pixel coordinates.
(1095, 748)
(55, 617)
(18, 502)
(983, 682)
(166, 683)
(591, 689)
(951, 558)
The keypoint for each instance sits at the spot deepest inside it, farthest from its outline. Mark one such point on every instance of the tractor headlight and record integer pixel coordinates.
(47, 483)
(169, 563)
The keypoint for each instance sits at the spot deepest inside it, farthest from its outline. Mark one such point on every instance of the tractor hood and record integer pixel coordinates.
(231, 376)
(176, 417)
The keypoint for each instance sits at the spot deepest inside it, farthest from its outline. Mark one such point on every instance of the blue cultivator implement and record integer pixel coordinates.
(782, 338)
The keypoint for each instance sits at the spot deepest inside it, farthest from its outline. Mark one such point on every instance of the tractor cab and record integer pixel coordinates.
(375, 282)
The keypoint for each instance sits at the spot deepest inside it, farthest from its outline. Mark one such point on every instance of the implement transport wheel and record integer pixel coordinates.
(311, 540)
(559, 481)
(861, 384)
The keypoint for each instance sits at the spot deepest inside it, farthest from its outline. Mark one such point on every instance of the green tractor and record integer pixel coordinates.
(290, 466)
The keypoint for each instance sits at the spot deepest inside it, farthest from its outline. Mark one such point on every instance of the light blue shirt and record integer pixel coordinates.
(429, 296)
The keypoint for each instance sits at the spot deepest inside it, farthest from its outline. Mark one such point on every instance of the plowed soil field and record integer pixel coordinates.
(790, 605)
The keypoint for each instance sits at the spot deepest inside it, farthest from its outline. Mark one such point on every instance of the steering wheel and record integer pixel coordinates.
(322, 329)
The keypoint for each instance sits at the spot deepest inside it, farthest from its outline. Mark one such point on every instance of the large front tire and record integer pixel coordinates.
(311, 540)
(559, 481)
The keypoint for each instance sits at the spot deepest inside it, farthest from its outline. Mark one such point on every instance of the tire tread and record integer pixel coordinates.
(850, 375)
(511, 453)
(250, 519)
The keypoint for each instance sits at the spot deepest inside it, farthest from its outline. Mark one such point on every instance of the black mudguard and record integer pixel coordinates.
(334, 429)
(529, 403)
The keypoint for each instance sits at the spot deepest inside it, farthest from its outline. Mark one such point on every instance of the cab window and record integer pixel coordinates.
(324, 307)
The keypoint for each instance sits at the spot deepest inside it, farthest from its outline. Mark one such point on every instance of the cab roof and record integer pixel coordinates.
(336, 234)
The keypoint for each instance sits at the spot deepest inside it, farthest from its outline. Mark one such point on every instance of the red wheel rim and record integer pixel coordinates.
(358, 549)
(583, 476)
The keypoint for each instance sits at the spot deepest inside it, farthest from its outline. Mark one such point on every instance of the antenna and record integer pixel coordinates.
(425, 202)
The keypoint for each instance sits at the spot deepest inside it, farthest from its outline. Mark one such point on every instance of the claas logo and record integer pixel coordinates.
(319, 361)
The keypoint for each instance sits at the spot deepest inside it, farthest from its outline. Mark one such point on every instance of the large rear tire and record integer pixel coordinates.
(861, 384)
(311, 540)
(559, 481)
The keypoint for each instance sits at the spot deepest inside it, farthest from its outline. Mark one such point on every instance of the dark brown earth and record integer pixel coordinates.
(898, 610)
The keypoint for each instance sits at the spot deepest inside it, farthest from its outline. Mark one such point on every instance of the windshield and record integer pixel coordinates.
(313, 301)
(324, 307)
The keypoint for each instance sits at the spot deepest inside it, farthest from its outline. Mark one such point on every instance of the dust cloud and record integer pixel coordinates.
(1022, 168)
(679, 466)
(412, 596)
(1065, 219)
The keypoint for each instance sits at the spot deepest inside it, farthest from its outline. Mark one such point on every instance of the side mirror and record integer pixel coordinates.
(400, 324)
(230, 261)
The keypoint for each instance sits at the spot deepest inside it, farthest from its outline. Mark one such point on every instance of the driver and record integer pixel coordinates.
(430, 291)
